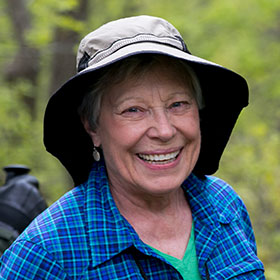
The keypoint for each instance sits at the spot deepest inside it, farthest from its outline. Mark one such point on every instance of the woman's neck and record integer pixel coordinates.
(161, 221)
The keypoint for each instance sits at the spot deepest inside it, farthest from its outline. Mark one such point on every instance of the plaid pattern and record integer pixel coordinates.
(83, 236)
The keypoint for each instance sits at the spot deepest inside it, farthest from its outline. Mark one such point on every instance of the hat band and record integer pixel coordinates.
(140, 38)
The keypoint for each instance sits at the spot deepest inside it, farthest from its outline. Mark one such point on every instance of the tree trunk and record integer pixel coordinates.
(25, 65)
(64, 55)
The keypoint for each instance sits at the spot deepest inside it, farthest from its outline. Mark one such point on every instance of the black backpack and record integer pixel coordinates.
(20, 203)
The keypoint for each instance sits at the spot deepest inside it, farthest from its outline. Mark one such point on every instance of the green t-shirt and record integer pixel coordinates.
(188, 266)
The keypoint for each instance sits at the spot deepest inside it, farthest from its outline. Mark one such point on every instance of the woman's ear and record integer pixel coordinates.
(94, 135)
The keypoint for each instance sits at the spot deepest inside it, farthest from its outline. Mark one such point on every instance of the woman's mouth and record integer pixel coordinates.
(159, 158)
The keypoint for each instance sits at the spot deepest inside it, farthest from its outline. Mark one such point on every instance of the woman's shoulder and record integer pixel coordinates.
(58, 223)
(211, 186)
(219, 189)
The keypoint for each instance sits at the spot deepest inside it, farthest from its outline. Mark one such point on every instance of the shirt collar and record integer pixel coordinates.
(201, 207)
(109, 232)
(210, 201)
(210, 208)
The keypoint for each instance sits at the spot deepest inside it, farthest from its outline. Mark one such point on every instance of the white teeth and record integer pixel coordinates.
(159, 158)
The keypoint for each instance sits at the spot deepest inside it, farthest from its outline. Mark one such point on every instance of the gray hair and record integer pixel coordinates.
(132, 67)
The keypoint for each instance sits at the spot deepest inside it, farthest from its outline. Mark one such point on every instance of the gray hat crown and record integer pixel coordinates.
(114, 35)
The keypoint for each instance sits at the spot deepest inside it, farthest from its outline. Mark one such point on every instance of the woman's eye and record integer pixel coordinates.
(179, 105)
(133, 112)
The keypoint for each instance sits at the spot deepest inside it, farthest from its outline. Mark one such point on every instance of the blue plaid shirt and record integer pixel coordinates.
(84, 236)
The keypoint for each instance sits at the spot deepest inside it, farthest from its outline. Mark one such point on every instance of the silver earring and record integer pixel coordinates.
(96, 154)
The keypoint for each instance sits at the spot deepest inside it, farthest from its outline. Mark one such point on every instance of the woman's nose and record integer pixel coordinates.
(160, 125)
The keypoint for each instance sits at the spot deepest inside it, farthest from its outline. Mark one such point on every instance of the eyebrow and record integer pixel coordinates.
(126, 99)
(170, 96)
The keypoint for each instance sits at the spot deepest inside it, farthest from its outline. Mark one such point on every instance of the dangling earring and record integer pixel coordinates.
(95, 154)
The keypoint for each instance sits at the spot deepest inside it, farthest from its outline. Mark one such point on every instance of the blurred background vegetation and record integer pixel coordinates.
(38, 43)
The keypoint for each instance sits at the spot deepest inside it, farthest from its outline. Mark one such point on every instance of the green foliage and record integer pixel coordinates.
(49, 14)
(18, 135)
(241, 35)
(21, 142)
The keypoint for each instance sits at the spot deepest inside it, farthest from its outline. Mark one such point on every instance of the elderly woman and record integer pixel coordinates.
(140, 128)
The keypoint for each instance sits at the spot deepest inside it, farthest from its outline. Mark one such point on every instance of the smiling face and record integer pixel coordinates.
(149, 132)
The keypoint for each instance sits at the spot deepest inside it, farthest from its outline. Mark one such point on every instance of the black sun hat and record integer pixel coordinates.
(225, 92)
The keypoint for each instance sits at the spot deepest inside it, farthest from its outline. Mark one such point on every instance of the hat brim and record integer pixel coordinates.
(225, 94)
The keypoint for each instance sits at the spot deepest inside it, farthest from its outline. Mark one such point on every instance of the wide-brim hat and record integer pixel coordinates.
(225, 92)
